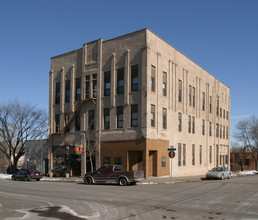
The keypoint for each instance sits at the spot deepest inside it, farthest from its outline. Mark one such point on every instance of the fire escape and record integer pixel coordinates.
(70, 116)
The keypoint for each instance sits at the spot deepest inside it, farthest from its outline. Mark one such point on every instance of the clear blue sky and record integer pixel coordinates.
(219, 35)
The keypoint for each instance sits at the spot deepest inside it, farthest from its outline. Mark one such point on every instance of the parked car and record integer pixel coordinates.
(219, 173)
(27, 175)
(113, 174)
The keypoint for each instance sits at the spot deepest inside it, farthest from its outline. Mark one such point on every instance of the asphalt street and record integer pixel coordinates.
(236, 198)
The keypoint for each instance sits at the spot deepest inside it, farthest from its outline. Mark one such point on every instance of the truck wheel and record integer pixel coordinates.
(122, 182)
(88, 181)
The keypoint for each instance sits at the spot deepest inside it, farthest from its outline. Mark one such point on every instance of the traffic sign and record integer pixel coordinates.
(171, 148)
(171, 154)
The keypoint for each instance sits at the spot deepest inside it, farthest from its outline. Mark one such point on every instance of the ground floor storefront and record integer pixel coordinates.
(150, 156)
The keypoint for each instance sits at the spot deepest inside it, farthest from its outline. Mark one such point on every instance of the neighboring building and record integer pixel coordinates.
(36, 155)
(243, 159)
(132, 97)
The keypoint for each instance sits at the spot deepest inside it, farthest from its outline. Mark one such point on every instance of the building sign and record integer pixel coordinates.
(78, 149)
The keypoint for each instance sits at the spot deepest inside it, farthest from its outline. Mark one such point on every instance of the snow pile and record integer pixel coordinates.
(4, 176)
(247, 172)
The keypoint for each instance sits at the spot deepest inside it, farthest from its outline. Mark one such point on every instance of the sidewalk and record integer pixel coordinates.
(149, 180)
(170, 180)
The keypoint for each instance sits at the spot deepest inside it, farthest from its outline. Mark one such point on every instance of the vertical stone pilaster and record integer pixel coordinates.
(186, 91)
(175, 86)
(99, 102)
(127, 78)
(51, 101)
(113, 80)
(62, 91)
(169, 84)
(73, 79)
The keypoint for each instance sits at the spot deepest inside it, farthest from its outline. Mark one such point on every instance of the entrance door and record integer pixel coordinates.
(135, 160)
(153, 163)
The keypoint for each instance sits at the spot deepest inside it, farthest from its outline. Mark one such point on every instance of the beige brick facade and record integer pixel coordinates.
(145, 96)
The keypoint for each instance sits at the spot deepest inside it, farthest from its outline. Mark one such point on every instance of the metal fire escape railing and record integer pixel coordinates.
(70, 117)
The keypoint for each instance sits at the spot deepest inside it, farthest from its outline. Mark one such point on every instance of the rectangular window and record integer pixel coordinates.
(134, 115)
(67, 91)
(164, 85)
(226, 159)
(120, 81)
(210, 104)
(106, 118)
(193, 154)
(227, 115)
(210, 129)
(203, 101)
(91, 120)
(179, 121)
(193, 125)
(217, 130)
(220, 131)
(77, 122)
(134, 78)
(220, 112)
(106, 161)
(203, 127)
(57, 123)
(210, 154)
(200, 154)
(163, 161)
(179, 90)
(78, 89)
(193, 96)
(107, 83)
(217, 112)
(118, 161)
(94, 86)
(223, 131)
(179, 154)
(190, 95)
(152, 115)
(57, 93)
(189, 124)
(227, 132)
(120, 116)
(164, 118)
(224, 113)
(153, 74)
(66, 119)
(87, 87)
(218, 158)
(184, 154)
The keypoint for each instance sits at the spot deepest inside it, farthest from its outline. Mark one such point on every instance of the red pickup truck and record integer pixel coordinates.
(113, 174)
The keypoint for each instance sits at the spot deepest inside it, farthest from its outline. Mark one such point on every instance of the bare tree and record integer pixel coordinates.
(19, 122)
(247, 132)
(91, 139)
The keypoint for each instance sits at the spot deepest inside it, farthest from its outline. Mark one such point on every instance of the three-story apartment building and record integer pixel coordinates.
(127, 100)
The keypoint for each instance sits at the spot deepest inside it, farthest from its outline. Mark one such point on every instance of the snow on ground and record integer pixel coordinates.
(60, 179)
(245, 173)
(5, 176)
(63, 179)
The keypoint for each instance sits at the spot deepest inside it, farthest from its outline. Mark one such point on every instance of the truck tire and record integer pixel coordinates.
(122, 181)
(88, 180)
